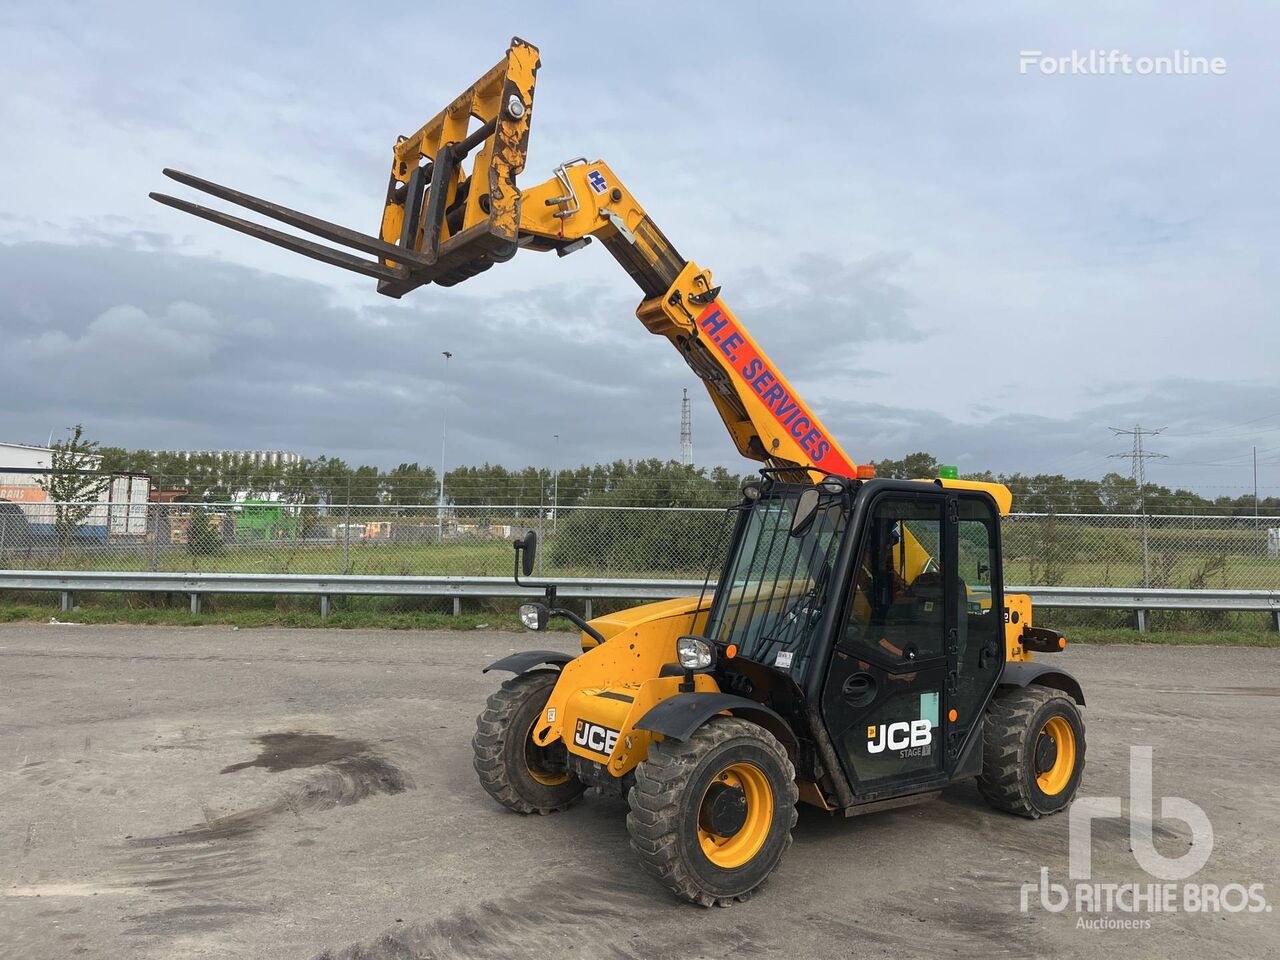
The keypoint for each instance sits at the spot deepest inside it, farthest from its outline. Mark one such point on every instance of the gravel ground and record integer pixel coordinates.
(213, 792)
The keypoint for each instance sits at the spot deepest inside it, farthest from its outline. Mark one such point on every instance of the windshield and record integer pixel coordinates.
(776, 585)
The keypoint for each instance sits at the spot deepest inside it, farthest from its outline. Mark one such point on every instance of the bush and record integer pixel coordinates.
(202, 539)
(639, 542)
(665, 540)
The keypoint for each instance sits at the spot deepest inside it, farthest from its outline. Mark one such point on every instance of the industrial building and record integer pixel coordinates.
(258, 458)
(122, 510)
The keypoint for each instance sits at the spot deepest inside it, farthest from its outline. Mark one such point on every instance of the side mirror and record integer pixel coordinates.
(528, 549)
(806, 510)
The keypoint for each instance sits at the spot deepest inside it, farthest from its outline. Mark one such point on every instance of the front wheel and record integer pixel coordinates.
(1033, 753)
(514, 770)
(711, 816)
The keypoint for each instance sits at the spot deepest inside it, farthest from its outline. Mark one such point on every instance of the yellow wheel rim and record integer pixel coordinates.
(535, 762)
(745, 843)
(1055, 779)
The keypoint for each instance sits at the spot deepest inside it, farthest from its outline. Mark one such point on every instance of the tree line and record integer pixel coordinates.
(1114, 493)
(331, 480)
(652, 482)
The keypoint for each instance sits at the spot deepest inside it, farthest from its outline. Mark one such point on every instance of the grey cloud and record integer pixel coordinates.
(1206, 440)
(248, 359)
(822, 311)
(245, 359)
(938, 252)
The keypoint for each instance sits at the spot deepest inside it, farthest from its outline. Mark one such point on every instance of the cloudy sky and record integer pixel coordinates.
(941, 251)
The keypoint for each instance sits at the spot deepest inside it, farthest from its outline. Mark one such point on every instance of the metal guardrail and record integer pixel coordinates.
(68, 583)
(1150, 598)
(1142, 599)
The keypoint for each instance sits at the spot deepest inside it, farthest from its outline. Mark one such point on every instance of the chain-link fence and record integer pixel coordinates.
(581, 541)
(1107, 550)
(578, 541)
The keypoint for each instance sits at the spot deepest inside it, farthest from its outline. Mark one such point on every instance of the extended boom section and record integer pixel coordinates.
(453, 209)
(452, 206)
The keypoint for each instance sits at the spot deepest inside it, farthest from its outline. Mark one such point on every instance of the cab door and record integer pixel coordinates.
(885, 692)
(975, 649)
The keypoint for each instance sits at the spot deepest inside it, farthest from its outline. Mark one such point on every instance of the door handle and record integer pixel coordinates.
(859, 689)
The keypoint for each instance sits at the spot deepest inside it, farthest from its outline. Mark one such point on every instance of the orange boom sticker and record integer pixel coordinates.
(753, 370)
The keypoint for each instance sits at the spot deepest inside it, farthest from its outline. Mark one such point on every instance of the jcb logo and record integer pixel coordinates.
(595, 737)
(899, 736)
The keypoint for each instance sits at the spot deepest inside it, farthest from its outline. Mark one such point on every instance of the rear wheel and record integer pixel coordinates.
(711, 816)
(514, 770)
(1033, 755)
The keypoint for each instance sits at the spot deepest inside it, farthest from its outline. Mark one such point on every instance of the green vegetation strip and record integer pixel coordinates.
(1215, 638)
(342, 619)
(431, 620)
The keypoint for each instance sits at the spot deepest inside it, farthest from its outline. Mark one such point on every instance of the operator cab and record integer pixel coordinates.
(869, 614)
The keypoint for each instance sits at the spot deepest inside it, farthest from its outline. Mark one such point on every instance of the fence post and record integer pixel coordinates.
(68, 601)
(457, 606)
(195, 603)
(541, 534)
(1140, 618)
(346, 538)
(153, 520)
(587, 607)
(4, 531)
(1146, 555)
(324, 606)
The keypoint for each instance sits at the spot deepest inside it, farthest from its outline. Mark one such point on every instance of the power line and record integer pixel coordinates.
(1216, 431)
(686, 431)
(1138, 458)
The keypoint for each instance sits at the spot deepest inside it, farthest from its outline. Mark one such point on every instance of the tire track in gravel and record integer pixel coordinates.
(196, 869)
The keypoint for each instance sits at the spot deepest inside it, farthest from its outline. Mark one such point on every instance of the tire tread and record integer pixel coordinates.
(493, 726)
(1009, 715)
(654, 819)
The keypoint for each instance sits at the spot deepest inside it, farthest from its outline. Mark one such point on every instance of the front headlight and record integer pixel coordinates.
(693, 653)
(533, 615)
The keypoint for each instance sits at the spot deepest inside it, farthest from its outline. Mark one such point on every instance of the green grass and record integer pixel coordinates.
(1182, 571)
(349, 619)
(482, 558)
(1178, 638)
(475, 559)
(494, 558)
(391, 613)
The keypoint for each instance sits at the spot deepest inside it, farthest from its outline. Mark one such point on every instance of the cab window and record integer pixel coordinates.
(897, 610)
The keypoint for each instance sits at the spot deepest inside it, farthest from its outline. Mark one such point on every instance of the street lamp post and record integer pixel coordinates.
(444, 432)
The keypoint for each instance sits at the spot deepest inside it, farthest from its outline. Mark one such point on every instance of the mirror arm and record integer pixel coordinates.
(548, 588)
(577, 621)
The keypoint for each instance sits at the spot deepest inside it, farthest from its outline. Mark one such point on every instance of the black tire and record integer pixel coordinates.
(519, 775)
(1016, 752)
(670, 789)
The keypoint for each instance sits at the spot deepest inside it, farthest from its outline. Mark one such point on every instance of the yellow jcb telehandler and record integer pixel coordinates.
(857, 650)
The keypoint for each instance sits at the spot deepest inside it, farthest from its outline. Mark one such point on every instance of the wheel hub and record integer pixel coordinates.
(1055, 756)
(724, 810)
(1046, 753)
(549, 765)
